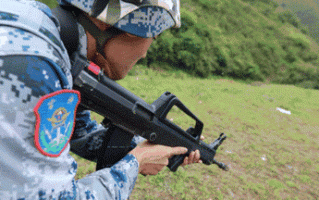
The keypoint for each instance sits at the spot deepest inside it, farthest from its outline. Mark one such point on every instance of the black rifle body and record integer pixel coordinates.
(133, 115)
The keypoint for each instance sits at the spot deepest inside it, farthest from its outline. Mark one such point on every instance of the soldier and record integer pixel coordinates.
(40, 116)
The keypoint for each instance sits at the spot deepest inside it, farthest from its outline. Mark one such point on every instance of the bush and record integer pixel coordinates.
(289, 17)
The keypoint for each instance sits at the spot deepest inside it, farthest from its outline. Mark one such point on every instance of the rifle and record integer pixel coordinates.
(127, 114)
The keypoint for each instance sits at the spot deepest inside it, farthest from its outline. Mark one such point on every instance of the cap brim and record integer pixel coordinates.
(146, 22)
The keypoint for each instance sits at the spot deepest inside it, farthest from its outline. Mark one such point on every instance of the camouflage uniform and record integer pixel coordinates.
(37, 115)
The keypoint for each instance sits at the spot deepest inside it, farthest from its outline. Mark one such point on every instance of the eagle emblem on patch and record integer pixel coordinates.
(55, 118)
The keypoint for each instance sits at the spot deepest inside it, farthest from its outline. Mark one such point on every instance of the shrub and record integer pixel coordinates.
(289, 17)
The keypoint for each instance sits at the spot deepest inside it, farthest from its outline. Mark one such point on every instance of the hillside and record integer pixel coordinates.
(306, 10)
(241, 39)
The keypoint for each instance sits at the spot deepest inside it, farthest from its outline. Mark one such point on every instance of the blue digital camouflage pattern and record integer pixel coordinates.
(34, 63)
(147, 18)
(146, 22)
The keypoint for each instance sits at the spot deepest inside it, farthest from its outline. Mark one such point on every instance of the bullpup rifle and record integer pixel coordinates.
(133, 115)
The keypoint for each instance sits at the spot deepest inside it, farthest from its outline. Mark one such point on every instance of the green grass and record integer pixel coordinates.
(271, 155)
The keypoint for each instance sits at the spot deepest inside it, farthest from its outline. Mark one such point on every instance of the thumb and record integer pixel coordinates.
(178, 150)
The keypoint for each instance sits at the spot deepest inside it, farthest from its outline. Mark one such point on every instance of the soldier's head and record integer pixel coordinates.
(123, 30)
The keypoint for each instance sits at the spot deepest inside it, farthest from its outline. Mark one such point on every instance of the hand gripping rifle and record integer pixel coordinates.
(132, 115)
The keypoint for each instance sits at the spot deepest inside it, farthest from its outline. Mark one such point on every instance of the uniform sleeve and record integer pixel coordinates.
(136, 140)
(116, 182)
(24, 79)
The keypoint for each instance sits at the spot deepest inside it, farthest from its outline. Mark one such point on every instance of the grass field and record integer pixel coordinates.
(271, 155)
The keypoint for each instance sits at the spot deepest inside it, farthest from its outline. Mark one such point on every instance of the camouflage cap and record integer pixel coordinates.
(144, 18)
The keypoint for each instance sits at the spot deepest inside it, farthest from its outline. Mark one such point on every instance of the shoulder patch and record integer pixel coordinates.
(55, 118)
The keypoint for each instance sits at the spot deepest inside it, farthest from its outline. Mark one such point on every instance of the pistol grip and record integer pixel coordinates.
(175, 162)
